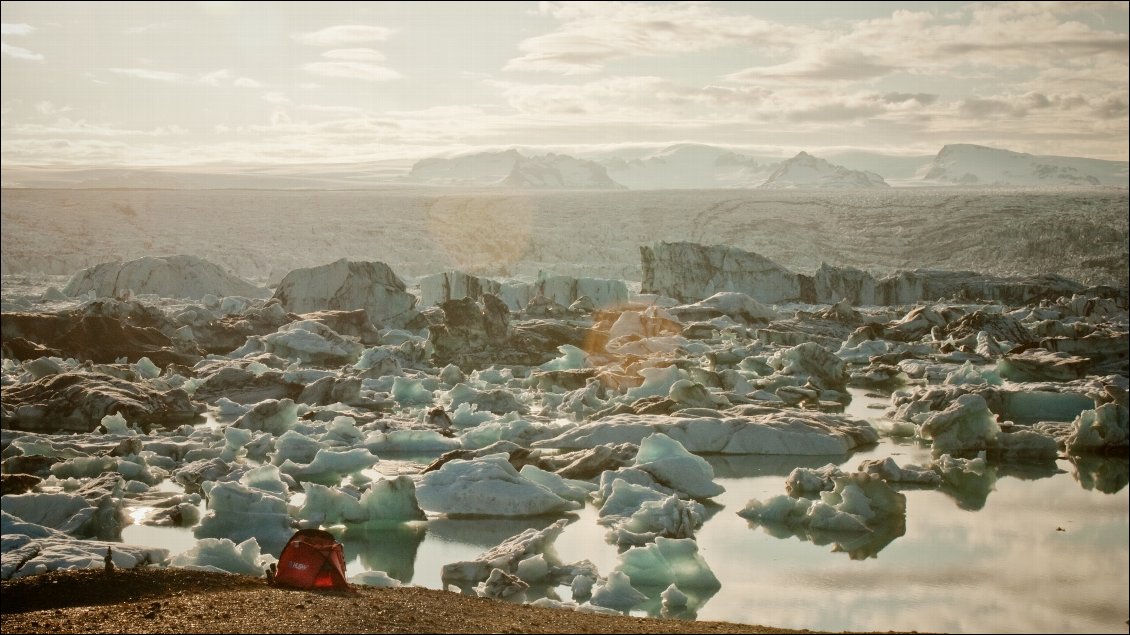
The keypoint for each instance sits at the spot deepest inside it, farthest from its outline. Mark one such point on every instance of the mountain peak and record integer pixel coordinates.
(805, 171)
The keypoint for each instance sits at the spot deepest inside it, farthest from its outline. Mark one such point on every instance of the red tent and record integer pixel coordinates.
(312, 559)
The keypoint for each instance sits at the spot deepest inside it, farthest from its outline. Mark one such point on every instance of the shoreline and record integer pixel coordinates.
(162, 600)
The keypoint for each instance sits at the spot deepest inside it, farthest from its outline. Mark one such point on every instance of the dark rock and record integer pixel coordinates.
(76, 402)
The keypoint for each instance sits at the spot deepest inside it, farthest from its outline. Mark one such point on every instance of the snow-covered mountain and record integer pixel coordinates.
(478, 169)
(687, 166)
(559, 171)
(967, 164)
(805, 171)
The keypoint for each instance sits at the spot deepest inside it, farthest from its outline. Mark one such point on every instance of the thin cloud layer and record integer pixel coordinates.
(292, 82)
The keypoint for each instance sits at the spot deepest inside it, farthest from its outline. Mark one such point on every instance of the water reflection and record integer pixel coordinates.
(857, 545)
(388, 547)
(752, 465)
(969, 489)
(653, 605)
(488, 532)
(1107, 474)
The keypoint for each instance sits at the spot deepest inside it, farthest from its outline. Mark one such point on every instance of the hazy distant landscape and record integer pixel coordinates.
(1080, 234)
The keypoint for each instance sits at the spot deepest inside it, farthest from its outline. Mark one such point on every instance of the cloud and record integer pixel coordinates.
(593, 34)
(19, 53)
(215, 77)
(344, 34)
(351, 70)
(826, 65)
(67, 127)
(355, 55)
(629, 98)
(145, 73)
(275, 97)
(146, 28)
(224, 77)
(8, 28)
(50, 109)
(924, 99)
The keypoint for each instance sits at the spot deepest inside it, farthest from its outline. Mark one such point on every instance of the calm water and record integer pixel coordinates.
(1021, 549)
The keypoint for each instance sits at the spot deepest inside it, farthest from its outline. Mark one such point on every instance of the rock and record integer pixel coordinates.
(77, 402)
(102, 332)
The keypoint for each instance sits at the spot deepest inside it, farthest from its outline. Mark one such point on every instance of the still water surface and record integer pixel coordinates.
(1019, 549)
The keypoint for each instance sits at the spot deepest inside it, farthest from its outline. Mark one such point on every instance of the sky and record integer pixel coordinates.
(264, 83)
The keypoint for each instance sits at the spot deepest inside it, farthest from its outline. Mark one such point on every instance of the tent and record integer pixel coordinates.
(312, 559)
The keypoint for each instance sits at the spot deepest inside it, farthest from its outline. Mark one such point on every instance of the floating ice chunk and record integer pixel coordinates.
(376, 579)
(409, 441)
(667, 561)
(147, 369)
(295, 447)
(68, 513)
(177, 276)
(622, 498)
(508, 555)
(857, 503)
(392, 500)
(238, 512)
(465, 415)
(500, 584)
(116, 424)
(343, 431)
(348, 285)
(498, 401)
(811, 362)
(549, 603)
(617, 592)
(806, 480)
(969, 374)
(1024, 444)
(221, 554)
(274, 416)
(84, 466)
(572, 358)
(412, 391)
(329, 466)
(967, 424)
(671, 517)
(888, 470)
(227, 408)
(329, 506)
(736, 305)
(671, 465)
(673, 598)
(312, 342)
(657, 382)
(581, 587)
(1103, 429)
(519, 431)
(487, 486)
(568, 489)
(379, 357)
(25, 555)
(782, 432)
(533, 569)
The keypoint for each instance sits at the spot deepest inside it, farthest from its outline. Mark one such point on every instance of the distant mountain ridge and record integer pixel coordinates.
(676, 166)
(968, 164)
(805, 171)
(689, 165)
